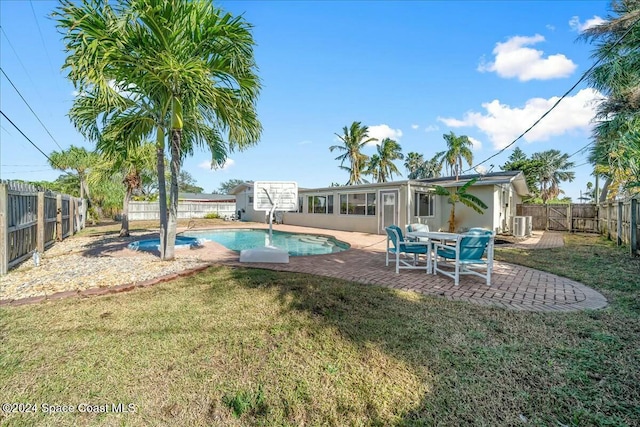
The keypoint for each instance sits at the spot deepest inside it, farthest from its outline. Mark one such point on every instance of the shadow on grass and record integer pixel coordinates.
(482, 366)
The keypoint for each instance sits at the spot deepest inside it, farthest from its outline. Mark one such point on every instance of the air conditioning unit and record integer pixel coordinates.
(528, 225)
(519, 226)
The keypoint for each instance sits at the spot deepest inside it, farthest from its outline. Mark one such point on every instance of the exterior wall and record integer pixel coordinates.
(465, 216)
(244, 204)
(358, 223)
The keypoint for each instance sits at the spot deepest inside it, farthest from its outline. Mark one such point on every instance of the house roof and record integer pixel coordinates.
(493, 178)
(206, 197)
(241, 187)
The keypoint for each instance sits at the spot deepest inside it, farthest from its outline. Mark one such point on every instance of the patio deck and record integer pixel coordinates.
(513, 286)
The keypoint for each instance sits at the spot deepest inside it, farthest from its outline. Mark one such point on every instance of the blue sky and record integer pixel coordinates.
(412, 71)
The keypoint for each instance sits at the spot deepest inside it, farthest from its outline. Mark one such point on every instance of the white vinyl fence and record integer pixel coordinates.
(186, 210)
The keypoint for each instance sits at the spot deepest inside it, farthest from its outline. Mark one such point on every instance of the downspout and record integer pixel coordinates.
(408, 203)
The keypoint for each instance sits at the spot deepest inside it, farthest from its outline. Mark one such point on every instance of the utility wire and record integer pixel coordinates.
(28, 139)
(580, 149)
(584, 76)
(46, 52)
(34, 113)
(17, 56)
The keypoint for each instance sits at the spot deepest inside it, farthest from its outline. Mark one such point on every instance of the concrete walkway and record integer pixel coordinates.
(513, 287)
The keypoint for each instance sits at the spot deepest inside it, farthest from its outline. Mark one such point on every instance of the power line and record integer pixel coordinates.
(46, 52)
(34, 113)
(28, 139)
(17, 56)
(580, 149)
(584, 76)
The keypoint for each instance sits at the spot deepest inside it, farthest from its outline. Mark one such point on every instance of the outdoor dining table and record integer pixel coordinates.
(428, 237)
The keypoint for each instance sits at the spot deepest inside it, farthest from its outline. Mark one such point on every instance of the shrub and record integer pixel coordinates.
(212, 215)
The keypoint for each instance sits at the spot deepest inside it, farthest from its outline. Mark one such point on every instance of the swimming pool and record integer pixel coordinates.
(295, 244)
(182, 242)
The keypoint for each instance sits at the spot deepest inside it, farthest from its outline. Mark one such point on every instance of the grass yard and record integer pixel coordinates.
(253, 347)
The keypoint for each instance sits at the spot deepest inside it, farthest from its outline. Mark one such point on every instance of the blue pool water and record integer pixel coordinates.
(295, 244)
(154, 244)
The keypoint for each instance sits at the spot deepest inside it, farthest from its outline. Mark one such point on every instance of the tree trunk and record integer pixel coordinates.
(124, 228)
(452, 219)
(605, 190)
(176, 136)
(162, 191)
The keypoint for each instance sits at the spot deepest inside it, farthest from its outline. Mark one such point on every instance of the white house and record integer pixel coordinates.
(368, 208)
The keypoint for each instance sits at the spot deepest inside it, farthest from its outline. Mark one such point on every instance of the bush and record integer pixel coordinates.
(212, 215)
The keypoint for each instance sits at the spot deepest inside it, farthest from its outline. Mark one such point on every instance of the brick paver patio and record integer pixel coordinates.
(512, 286)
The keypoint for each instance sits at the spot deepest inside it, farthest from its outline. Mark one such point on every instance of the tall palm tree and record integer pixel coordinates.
(414, 162)
(553, 169)
(460, 195)
(132, 164)
(353, 138)
(381, 165)
(188, 66)
(458, 148)
(77, 159)
(617, 130)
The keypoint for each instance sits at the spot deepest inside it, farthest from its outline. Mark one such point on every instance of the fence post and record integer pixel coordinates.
(633, 226)
(41, 223)
(569, 218)
(72, 217)
(609, 220)
(4, 228)
(546, 227)
(619, 224)
(76, 209)
(59, 217)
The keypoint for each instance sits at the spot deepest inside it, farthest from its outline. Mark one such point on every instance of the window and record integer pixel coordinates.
(424, 204)
(320, 204)
(300, 204)
(250, 199)
(358, 204)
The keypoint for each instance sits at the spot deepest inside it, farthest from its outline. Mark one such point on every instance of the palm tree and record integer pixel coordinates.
(132, 164)
(460, 195)
(458, 148)
(381, 165)
(77, 159)
(420, 169)
(617, 130)
(552, 170)
(184, 65)
(413, 162)
(353, 138)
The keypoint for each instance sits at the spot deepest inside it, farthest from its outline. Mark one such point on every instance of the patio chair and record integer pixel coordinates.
(417, 227)
(471, 254)
(399, 246)
(479, 230)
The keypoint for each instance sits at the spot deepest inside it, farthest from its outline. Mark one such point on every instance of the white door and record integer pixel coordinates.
(388, 209)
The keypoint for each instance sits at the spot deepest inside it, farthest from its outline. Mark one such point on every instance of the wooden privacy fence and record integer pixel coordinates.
(33, 220)
(186, 210)
(617, 220)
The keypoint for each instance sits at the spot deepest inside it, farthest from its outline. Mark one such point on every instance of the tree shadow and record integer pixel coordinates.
(440, 340)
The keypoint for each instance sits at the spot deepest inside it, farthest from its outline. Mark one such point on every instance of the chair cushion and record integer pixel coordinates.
(413, 249)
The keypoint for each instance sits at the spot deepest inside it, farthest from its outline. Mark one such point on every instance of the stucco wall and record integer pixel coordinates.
(359, 223)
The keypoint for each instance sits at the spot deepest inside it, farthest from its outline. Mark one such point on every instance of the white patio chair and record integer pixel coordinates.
(401, 248)
(471, 254)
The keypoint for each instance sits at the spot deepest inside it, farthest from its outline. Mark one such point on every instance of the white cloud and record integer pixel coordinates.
(502, 123)
(381, 132)
(414, 127)
(477, 145)
(514, 59)
(206, 164)
(550, 27)
(578, 26)
(431, 128)
(305, 142)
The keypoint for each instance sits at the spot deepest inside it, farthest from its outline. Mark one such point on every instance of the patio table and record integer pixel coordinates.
(428, 237)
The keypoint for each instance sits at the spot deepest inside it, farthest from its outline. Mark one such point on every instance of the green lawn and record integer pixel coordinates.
(236, 346)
